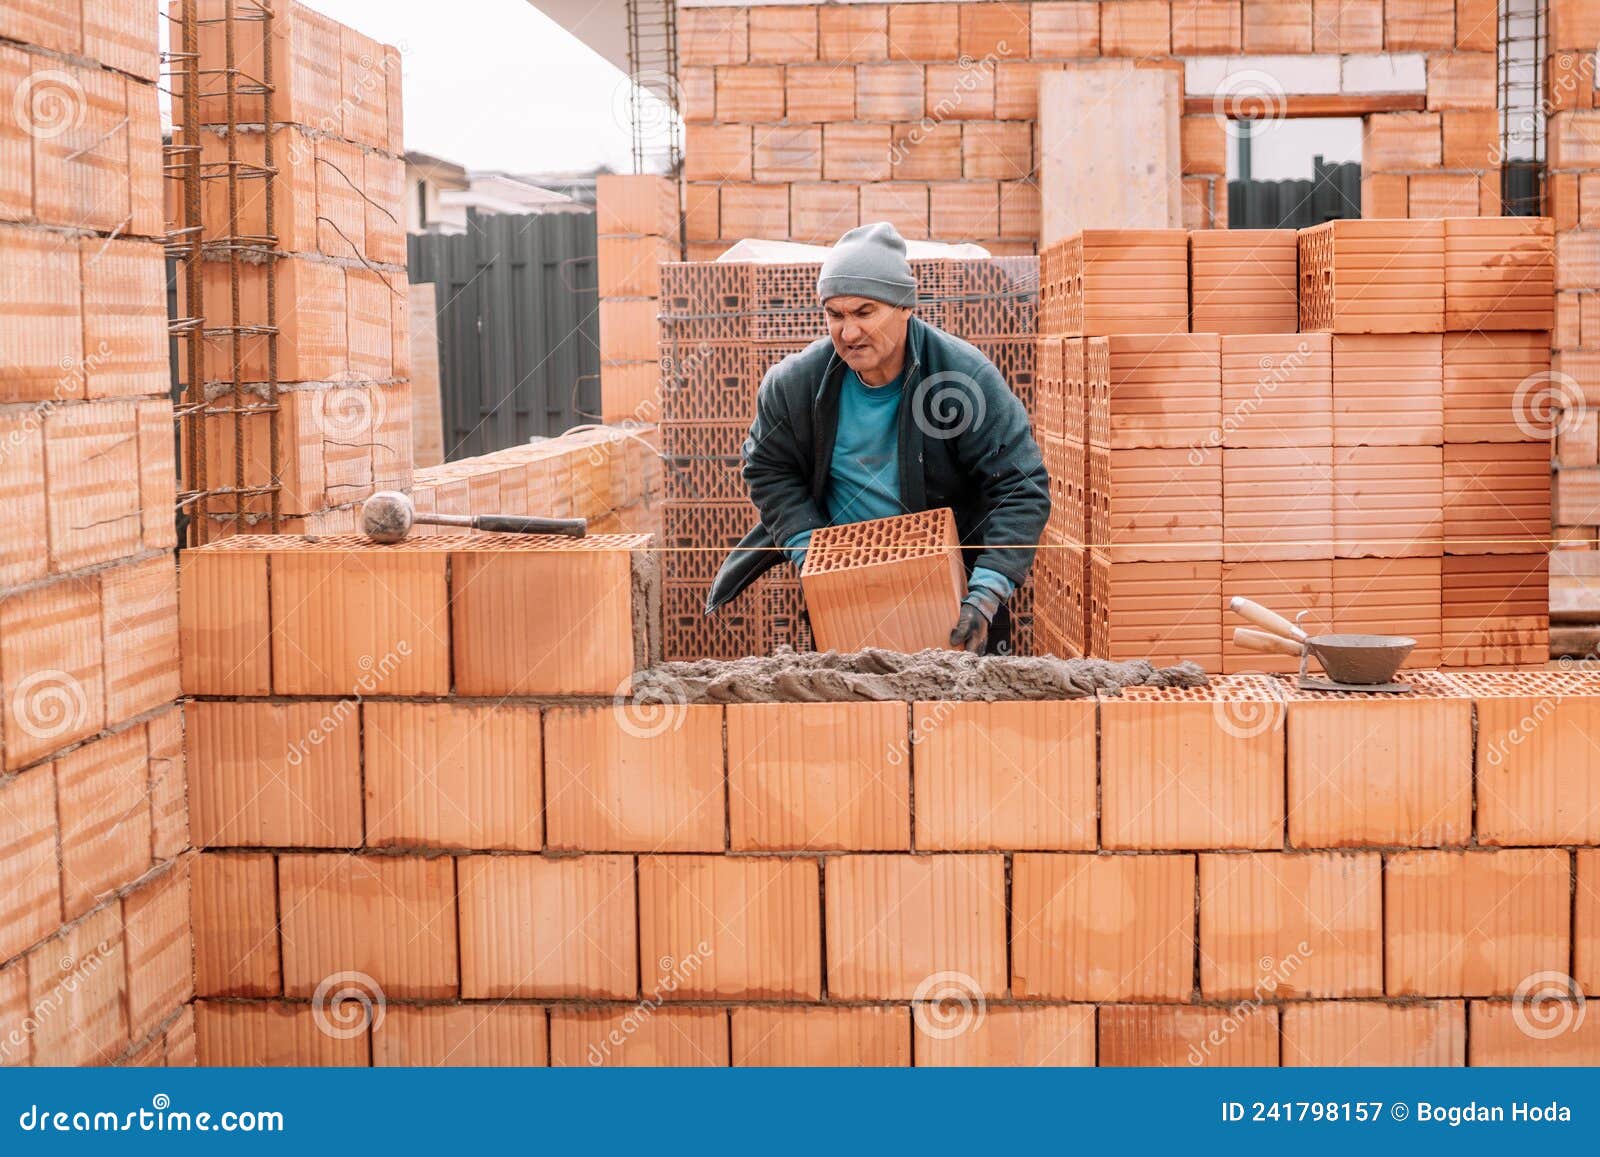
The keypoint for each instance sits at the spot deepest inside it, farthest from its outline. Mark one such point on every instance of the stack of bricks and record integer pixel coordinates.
(1573, 190)
(94, 889)
(338, 235)
(723, 326)
(1384, 469)
(639, 231)
(606, 476)
(597, 881)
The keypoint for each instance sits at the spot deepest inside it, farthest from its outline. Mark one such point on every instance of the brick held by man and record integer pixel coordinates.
(1474, 1113)
(888, 415)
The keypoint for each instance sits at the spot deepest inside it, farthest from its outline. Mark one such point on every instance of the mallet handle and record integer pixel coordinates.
(510, 523)
(1265, 619)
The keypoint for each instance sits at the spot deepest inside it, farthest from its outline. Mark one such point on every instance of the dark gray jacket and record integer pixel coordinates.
(964, 443)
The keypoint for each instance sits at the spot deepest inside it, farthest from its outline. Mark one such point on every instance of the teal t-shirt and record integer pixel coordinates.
(864, 476)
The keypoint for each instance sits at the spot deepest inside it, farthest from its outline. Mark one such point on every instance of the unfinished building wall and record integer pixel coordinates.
(338, 254)
(638, 220)
(802, 121)
(94, 909)
(521, 867)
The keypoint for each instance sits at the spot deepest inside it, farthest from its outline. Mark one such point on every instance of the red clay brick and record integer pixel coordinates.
(140, 607)
(889, 92)
(642, 779)
(1586, 922)
(81, 977)
(894, 922)
(103, 796)
(1010, 1035)
(856, 152)
(1474, 923)
(857, 1037)
(160, 958)
(1136, 28)
(16, 1047)
(370, 620)
(1348, 26)
(453, 775)
(890, 582)
(234, 903)
(924, 32)
(1012, 776)
(269, 1034)
(815, 776)
(1552, 1033)
(783, 34)
(391, 918)
(1278, 26)
(461, 1035)
(224, 642)
(1536, 768)
(1282, 924)
(535, 927)
(788, 153)
(30, 880)
(1065, 30)
(179, 1040)
(1323, 1033)
(1388, 501)
(50, 669)
(751, 928)
(639, 1037)
(854, 33)
(1286, 587)
(1103, 927)
(1380, 772)
(1174, 1035)
(1191, 774)
(274, 774)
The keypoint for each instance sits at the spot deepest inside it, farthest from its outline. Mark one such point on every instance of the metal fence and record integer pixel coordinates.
(519, 352)
(1332, 192)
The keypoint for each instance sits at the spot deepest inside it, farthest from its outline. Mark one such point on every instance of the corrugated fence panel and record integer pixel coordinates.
(519, 352)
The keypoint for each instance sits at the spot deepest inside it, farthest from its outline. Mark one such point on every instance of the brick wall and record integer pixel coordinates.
(590, 880)
(804, 120)
(638, 221)
(343, 345)
(94, 920)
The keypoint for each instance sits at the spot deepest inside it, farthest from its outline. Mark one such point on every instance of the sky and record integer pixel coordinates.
(495, 84)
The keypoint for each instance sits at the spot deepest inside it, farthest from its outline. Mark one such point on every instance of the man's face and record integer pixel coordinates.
(869, 335)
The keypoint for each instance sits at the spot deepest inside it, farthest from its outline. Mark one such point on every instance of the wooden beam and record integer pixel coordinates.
(1326, 105)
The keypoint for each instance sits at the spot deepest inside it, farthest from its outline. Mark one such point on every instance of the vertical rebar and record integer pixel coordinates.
(194, 306)
(274, 435)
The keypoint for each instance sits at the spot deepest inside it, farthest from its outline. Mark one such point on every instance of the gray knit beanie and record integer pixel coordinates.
(869, 261)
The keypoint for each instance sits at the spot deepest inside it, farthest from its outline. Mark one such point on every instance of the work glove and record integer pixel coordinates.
(971, 631)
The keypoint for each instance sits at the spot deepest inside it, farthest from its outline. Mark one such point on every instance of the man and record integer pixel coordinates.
(889, 415)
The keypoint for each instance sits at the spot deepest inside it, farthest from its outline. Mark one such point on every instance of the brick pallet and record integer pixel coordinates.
(94, 879)
(723, 325)
(1333, 470)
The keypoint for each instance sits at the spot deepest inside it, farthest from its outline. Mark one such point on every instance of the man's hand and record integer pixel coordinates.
(972, 630)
